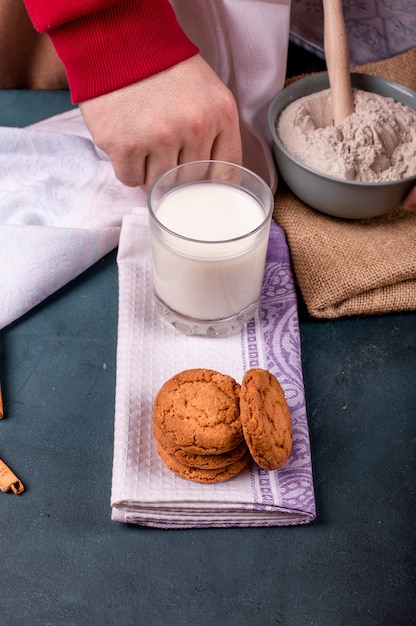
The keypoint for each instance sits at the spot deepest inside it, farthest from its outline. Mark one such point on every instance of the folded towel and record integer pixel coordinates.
(150, 351)
(346, 267)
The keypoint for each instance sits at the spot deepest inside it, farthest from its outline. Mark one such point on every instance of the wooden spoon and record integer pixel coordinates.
(337, 54)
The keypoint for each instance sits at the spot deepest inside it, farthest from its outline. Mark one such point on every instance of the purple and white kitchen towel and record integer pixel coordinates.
(144, 490)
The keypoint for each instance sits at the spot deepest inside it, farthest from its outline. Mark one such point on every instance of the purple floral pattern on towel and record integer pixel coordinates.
(281, 344)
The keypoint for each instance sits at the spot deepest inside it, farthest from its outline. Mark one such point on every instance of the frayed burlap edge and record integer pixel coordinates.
(345, 267)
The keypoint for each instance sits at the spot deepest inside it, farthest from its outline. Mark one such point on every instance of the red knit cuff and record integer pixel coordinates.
(120, 45)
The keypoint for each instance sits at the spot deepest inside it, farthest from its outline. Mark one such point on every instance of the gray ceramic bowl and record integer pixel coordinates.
(334, 196)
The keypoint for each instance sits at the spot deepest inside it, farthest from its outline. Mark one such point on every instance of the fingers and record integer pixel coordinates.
(227, 147)
(141, 169)
(182, 114)
(410, 201)
(132, 171)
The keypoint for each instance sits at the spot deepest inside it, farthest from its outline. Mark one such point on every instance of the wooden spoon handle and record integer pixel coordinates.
(337, 56)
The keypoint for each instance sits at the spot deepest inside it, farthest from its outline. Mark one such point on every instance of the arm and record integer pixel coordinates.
(182, 114)
(106, 45)
(148, 99)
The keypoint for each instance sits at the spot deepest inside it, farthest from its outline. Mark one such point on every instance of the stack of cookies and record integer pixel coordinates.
(208, 427)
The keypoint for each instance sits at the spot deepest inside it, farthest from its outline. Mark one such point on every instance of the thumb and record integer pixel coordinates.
(409, 202)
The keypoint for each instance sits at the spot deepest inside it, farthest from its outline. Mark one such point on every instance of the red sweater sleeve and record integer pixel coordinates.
(106, 45)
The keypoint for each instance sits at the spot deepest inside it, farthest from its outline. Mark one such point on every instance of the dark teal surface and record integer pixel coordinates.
(19, 107)
(62, 559)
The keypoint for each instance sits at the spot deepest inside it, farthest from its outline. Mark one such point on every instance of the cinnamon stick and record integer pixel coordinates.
(8, 480)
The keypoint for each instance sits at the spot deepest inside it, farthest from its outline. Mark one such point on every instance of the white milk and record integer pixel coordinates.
(221, 274)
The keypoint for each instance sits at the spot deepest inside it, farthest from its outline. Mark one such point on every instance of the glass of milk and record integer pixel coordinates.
(209, 228)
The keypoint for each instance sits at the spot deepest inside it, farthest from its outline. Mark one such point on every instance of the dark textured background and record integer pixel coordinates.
(62, 559)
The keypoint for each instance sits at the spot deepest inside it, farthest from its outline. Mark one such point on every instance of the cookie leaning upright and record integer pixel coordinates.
(198, 411)
(265, 419)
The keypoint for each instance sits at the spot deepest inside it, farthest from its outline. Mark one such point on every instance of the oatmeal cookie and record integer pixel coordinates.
(199, 475)
(198, 411)
(265, 419)
(203, 461)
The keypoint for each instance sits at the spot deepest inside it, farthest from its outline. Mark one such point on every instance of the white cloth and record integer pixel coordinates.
(61, 208)
(150, 351)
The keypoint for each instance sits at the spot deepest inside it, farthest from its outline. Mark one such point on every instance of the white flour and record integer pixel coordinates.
(376, 143)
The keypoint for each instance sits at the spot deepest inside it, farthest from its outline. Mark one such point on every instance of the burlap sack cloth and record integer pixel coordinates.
(354, 267)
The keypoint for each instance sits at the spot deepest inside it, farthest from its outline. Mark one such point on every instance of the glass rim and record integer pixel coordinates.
(267, 216)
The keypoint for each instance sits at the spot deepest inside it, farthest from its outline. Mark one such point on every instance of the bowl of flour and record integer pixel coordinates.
(360, 168)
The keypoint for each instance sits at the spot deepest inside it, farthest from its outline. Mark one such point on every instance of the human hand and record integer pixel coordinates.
(184, 113)
(410, 200)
